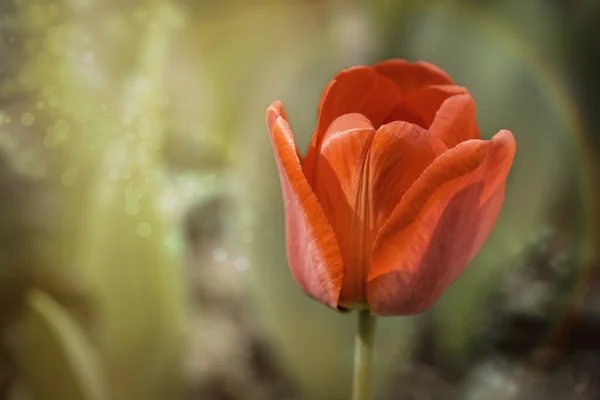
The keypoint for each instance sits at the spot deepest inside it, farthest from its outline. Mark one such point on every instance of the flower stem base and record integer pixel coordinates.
(363, 354)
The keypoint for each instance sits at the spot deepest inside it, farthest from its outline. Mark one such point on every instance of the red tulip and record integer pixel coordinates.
(396, 193)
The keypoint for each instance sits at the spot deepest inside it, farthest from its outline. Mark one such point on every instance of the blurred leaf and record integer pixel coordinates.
(54, 355)
(120, 242)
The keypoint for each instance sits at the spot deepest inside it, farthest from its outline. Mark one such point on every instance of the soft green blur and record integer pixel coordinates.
(106, 105)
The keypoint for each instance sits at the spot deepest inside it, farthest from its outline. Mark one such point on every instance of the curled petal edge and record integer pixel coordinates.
(313, 253)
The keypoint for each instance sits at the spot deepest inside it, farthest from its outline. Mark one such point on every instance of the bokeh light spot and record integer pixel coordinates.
(143, 229)
(57, 134)
(173, 241)
(241, 263)
(27, 119)
(219, 254)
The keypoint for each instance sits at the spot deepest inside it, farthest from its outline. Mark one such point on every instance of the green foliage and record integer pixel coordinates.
(55, 355)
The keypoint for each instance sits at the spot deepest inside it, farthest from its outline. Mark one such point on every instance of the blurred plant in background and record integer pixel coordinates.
(95, 145)
(142, 251)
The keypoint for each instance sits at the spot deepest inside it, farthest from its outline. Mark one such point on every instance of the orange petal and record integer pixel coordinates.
(455, 121)
(400, 152)
(412, 76)
(438, 226)
(312, 250)
(339, 182)
(355, 90)
(403, 111)
(428, 100)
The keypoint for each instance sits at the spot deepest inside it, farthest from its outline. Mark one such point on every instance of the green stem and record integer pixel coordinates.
(363, 350)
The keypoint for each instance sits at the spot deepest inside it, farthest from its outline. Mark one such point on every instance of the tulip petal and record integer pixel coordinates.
(399, 154)
(438, 226)
(355, 90)
(403, 111)
(338, 183)
(313, 253)
(455, 121)
(428, 100)
(412, 76)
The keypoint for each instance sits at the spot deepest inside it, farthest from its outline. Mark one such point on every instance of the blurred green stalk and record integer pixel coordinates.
(363, 355)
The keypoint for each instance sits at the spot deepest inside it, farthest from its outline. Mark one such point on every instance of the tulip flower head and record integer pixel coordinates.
(396, 192)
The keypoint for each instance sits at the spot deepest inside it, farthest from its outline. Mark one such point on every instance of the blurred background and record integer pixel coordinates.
(141, 222)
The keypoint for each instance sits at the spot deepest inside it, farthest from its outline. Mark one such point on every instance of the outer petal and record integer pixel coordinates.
(356, 90)
(438, 226)
(339, 182)
(455, 121)
(312, 250)
(412, 76)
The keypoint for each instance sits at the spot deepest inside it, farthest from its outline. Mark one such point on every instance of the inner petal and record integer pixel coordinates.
(359, 178)
(403, 111)
(400, 152)
(411, 76)
(428, 100)
(356, 90)
(339, 182)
